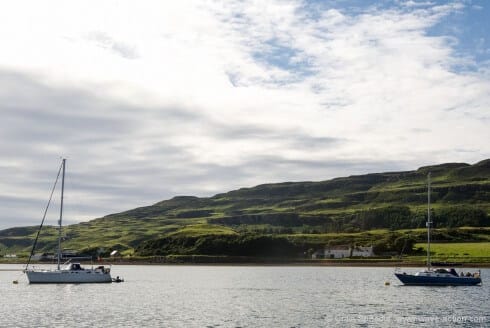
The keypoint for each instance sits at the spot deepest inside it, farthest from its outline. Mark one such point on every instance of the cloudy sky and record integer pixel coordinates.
(152, 99)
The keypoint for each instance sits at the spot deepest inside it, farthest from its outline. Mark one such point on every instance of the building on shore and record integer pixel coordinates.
(343, 251)
(337, 252)
(362, 251)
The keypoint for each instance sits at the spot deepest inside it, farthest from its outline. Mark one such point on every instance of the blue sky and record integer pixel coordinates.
(469, 27)
(155, 99)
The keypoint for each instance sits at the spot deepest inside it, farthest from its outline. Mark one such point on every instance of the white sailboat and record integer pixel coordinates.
(71, 273)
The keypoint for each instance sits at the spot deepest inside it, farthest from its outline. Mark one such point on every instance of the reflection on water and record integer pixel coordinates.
(242, 296)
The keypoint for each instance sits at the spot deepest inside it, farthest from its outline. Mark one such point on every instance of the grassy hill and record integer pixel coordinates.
(356, 209)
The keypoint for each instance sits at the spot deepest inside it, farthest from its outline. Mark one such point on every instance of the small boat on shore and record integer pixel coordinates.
(441, 276)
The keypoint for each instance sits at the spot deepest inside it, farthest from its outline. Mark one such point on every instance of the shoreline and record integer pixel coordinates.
(272, 262)
(302, 264)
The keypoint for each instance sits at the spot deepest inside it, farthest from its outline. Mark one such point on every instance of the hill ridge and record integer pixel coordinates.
(356, 203)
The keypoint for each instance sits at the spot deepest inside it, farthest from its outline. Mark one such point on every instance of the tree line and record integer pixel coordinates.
(232, 245)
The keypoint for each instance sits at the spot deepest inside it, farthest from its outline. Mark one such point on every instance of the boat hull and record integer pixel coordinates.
(416, 280)
(67, 277)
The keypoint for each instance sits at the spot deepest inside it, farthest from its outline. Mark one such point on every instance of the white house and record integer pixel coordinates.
(363, 251)
(342, 251)
(337, 252)
(43, 257)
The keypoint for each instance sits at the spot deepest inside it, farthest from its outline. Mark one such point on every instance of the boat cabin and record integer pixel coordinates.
(438, 273)
(74, 267)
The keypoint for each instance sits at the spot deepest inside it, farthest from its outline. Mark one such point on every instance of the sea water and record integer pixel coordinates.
(242, 296)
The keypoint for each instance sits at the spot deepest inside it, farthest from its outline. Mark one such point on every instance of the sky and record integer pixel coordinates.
(152, 99)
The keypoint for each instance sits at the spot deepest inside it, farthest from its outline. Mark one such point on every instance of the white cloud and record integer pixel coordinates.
(158, 98)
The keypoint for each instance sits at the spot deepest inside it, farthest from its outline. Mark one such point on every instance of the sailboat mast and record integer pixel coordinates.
(429, 221)
(61, 212)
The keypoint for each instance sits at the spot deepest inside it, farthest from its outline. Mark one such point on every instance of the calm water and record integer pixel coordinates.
(242, 296)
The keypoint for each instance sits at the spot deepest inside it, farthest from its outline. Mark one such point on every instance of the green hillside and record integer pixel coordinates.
(357, 209)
